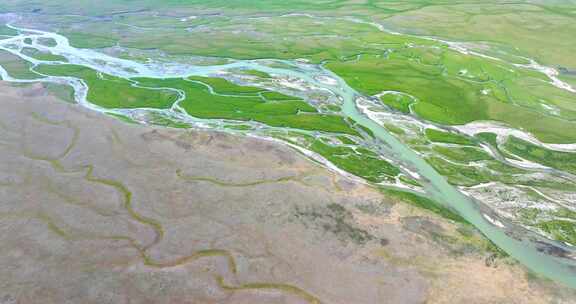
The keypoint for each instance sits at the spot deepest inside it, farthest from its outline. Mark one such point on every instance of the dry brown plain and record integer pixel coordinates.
(94, 210)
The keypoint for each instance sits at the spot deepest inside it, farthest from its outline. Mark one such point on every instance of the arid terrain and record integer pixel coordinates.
(95, 210)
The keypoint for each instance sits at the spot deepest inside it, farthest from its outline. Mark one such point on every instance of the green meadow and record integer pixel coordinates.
(360, 162)
(248, 104)
(453, 93)
(447, 137)
(448, 87)
(559, 160)
(36, 54)
(112, 92)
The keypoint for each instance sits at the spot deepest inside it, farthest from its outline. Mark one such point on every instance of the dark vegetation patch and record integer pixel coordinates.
(49, 42)
(336, 220)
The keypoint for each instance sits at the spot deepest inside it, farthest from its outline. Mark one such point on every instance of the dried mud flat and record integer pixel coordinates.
(94, 210)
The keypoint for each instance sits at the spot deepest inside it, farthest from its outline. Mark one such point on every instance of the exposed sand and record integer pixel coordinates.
(94, 210)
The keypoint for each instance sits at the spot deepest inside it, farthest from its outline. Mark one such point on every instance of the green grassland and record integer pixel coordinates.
(463, 154)
(489, 90)
(112, 92)
(562, 230)
(255, 73)
(249, 105)
(356, 160)
(492, 139)
(236, 102)
(558, 224)
(527, 24)
(89, 41)
(465, 175)
(224, 87)
(555, 159)
(462, 90)
(399, 102)
(360, 162)
(538, 29)
(281, 38)
(455, 164)
(36, 54)
(446, 137)
(569, 78)
(460, 175)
